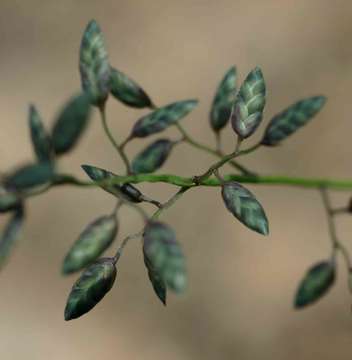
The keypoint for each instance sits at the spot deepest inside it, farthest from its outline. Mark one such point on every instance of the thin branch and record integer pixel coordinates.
(328, 210)
(138, 209)
(218, 142)
(189, 140)
(336, 244)
(125, 142)
(124, 243)
(170, 202)
(118, 148)
(118, 205)
(220, 163)
(155, 216)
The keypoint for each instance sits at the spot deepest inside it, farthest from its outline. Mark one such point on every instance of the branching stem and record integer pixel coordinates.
(336, 244)
(225, 159)
(189, 140)
(155, 216)
(170, 202)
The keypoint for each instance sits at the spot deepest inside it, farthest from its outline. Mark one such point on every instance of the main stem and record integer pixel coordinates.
(311, 183)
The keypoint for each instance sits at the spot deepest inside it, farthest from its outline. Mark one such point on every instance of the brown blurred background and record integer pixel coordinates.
(239, 302)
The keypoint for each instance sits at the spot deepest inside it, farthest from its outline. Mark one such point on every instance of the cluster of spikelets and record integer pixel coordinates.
(163, 256)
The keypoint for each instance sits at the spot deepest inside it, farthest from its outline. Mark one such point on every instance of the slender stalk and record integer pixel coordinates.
(155, 216)
(118, 204)
(328, 210)
(249, 150)
(189, 140)
(218, 142)
(124, 243)
(336, 244)
(170, 202)
(220, 163)
(125, 142)
(217, 165)
(118, 148)
(139, 209)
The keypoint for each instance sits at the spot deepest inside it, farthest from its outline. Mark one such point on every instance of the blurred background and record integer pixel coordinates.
(239, 301)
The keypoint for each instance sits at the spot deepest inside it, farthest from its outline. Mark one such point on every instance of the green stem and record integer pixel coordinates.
(312, 183)
(117, 147)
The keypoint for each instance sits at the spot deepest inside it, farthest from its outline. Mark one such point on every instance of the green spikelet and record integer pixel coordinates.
(245, 207)
(248, 109)
(90, 288)
(223, 101)
(291, 119)
(315, 284)
(126, 90)
(94, 65)
(165, 256)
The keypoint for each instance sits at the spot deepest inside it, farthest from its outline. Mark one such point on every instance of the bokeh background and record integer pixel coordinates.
(239, 302)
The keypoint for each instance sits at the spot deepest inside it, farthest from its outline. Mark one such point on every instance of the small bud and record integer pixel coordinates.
(131, 193)
(126, 191)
